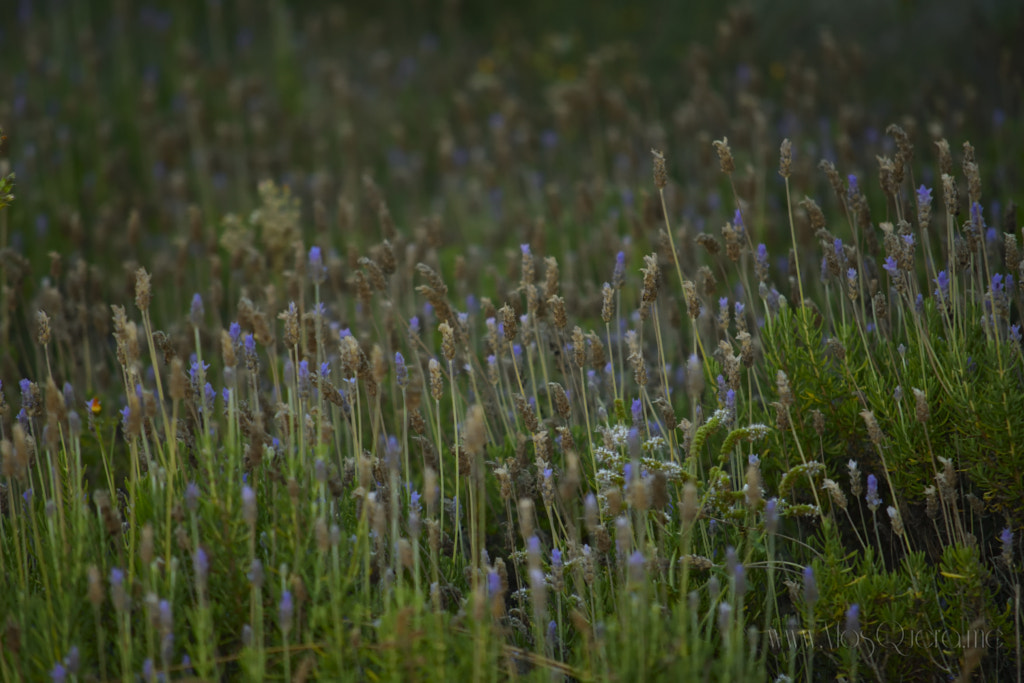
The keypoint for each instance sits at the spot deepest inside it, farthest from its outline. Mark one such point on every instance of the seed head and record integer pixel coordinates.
(143, 289)
(660, 174)
(785, 158)
(724, 155)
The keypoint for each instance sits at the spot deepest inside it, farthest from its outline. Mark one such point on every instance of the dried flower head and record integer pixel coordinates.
(660, 174)
(724, 155)
(785, 158)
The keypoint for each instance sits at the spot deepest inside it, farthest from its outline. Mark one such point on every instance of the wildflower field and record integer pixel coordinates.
(566, 343)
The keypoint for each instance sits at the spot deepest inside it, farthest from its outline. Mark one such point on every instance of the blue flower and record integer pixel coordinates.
(285, 610)
(195, 313)
(943, 282)
(317, 269)
(924, 197)
(872, 497)
(890, 266)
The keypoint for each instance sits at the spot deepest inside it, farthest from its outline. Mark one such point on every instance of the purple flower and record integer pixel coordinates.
(730, 400)
(195, 314)
(255, 573)
(737, 221)
(853, 189)
(556, 557)
(58, 674)
(208, 396)
(636, 566)
(26, 394)
(977, 216)
(201, 564)
(872, 496)
(533, 546)
(165, 616)
(285, 610)
(890, 266)
(317, 269)
(762, 255)
(837, 246)
(852, 621)
(249, 505)
(851, 275)
(191, 496)
(401, 371)
(997, 284)
(943, 282)
(619, 274)
(739, 577)
(738, 308)
(304, 384)
(234, 332)
(810, 587)
(771, 516)
(637, 410)
(250, 345)
(493, 584)
(1015, 333)
(633, 443)
(924, 197)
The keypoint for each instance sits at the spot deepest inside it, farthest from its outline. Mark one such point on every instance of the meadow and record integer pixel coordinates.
(354, 343)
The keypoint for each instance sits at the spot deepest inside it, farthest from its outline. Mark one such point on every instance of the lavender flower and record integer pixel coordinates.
(1006, 538)
(637, 563)
(872, 496)
(255, 573)
(304, 382)
(249, 506)
(118, 595)
(852, 622)
(401, 371)
(724, 617)
(943, 285)
(317, 269)
(493, 584)
(191, 496)
(924, 197)
(201, 565)
(195, 314)
(810, 587)
(637, 411)
(58, 674)
(285, 611)
(619, 274)
(556, 557)
(234, 332)
(165, 616)
(761, 263)
(890, 266)
(771, 516)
